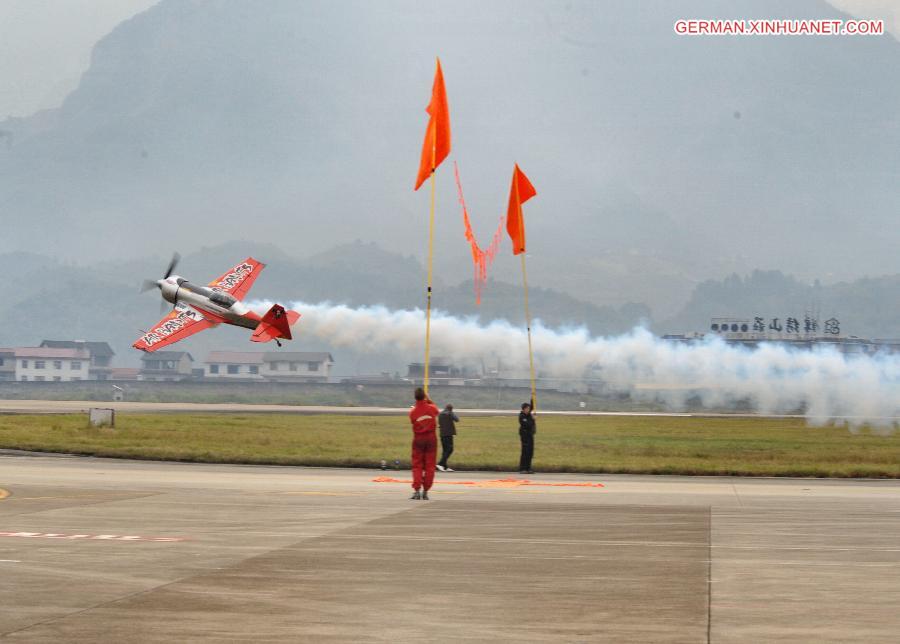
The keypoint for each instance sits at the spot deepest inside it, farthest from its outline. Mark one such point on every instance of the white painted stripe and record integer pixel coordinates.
(88, 537)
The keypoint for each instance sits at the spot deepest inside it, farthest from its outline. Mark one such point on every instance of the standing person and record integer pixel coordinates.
(527, 430)
(447, 422)
(423, 417)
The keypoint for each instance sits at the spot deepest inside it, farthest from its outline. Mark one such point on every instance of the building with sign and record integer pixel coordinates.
(801, 333)
(776, 328)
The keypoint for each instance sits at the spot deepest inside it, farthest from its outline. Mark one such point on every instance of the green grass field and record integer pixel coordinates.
(654, 445)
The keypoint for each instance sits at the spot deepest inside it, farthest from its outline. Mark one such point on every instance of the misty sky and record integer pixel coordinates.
(208, 110)
(45, 45)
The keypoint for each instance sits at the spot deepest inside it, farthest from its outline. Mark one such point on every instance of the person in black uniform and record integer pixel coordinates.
(527, 430)
(447, 422)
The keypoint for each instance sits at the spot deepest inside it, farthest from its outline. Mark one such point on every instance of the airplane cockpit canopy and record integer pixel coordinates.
(222, 299)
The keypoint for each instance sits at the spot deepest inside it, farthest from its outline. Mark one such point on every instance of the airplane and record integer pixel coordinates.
(201, 307)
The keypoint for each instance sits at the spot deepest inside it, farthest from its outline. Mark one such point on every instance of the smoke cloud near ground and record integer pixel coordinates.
(826, 385)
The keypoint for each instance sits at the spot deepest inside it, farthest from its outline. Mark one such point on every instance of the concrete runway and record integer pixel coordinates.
(113, 550)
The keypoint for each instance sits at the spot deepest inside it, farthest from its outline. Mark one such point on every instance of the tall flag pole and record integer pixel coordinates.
(528, 326)
(428, 286)
(520, 192)
(435, 149)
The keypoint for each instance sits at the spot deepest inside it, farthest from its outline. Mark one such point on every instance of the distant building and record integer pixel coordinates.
(444, 371)
(7, 364)
(437, 368)
(234, 365)
(41, 364)
(278, 366)
(101, 355)
(292, 366)
(166, 366)
(797, 333)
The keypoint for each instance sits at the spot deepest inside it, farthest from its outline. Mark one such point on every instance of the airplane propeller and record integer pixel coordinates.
(175, 259)
(149, 285)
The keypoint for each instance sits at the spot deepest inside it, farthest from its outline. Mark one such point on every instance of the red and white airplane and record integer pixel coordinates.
(201, 307)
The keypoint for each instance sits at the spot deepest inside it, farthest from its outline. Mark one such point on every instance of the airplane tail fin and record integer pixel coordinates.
(275, 324)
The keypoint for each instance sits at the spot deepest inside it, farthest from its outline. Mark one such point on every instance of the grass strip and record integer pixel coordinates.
(640, 445)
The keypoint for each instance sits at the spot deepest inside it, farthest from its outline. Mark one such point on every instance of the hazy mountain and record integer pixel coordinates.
(660, 160)
(868, 307)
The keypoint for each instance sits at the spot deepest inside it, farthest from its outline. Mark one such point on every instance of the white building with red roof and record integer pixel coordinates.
(281, 366)
(233, 365)
(44, 364)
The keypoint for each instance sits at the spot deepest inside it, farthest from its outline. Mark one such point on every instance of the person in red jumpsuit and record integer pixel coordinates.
(423, 417)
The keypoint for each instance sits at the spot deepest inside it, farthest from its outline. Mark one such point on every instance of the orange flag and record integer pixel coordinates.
(437, 135)
(520, 192)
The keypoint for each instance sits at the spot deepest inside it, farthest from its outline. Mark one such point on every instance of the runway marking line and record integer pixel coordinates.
(89, 537)
(304, 493)
(498, 483)
(111, 497)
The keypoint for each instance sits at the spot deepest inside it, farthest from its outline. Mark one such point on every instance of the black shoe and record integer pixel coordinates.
(416, 496)
(528, 472)
(424, 496)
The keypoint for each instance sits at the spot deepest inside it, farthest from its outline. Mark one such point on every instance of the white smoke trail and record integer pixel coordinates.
(772, 378)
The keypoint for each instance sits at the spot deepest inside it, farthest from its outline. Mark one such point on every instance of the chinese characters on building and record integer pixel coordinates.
(831, 326)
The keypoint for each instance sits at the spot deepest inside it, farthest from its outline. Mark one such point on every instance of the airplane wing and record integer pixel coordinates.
(182, 322)
(237, 281)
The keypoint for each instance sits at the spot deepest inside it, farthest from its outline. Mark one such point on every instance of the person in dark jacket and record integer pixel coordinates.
(447, 422)
(527, 430)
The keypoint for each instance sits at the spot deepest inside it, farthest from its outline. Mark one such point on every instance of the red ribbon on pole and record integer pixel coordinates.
(481, 258)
